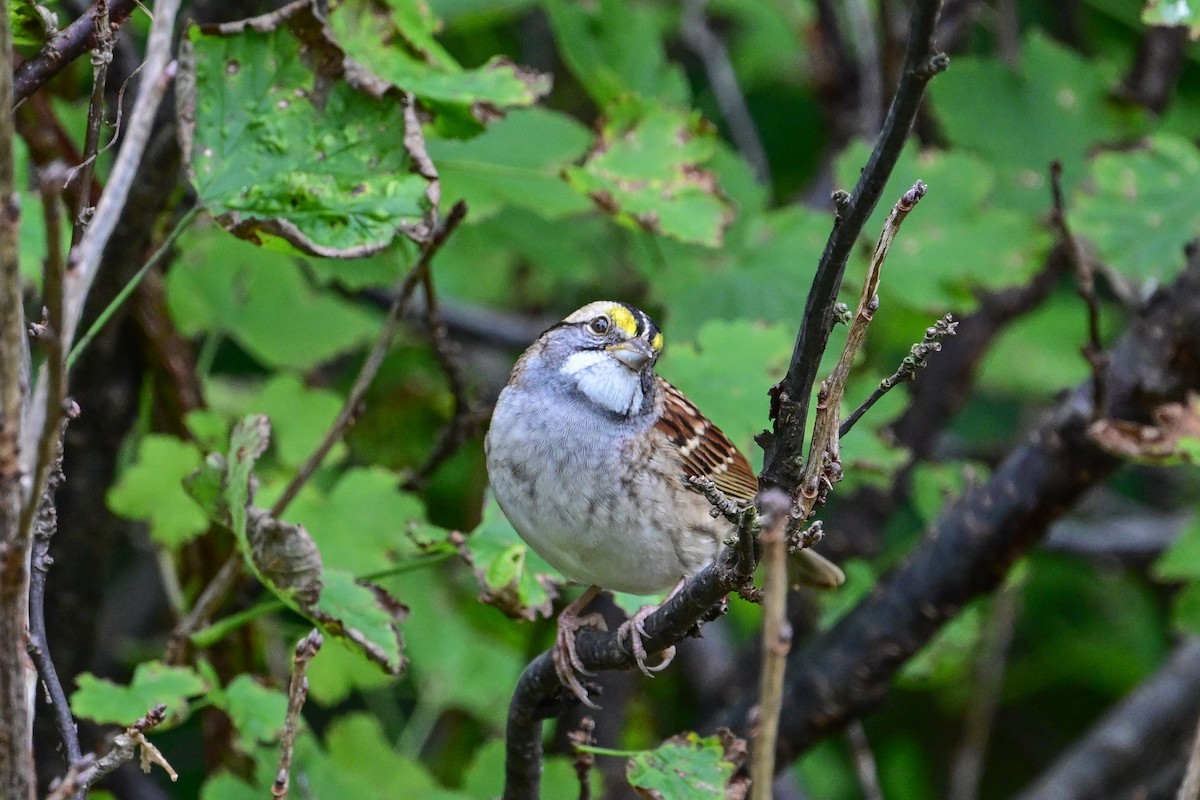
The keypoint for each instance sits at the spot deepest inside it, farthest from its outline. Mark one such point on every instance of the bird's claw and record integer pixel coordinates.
(634, 629)
(567, 663)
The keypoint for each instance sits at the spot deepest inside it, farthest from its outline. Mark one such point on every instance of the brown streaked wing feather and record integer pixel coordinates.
(706, 449)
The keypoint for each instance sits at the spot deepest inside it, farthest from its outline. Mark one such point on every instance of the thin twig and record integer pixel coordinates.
(90, 769)
(864, 761)
(1190, 788)
(784, 446)
(39, 643)
(907, 371)
(374, 361)
(70, 43)
(465, 418)
(111, 309)
(306, 649)
(580, 739)
(50, 334)
(101, 57)
(84, 260)
(1085, 285)
(776, 641)
(824, 467)
(966, 771)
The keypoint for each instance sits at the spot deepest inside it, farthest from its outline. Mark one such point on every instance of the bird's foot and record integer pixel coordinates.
(634, 629)
(567, 663)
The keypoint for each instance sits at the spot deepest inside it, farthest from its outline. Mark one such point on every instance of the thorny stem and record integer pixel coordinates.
(306, 650)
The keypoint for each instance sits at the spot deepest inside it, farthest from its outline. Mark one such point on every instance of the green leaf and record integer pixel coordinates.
(31, 24)
(645, 170)
(485, 777)
(1185, 609)
(517, 162)
(1144, 207)
(460, 659)
(340, 668)
(682, 768)
(152, 489)
(397, 44)
(299, 415)
(153, 683)
(363, 614)
(1055, 92)
(293, 158)
(274, 314)
(256, 711)
(1181, 561)
(362, 523)
(614, 48)
(513, 577)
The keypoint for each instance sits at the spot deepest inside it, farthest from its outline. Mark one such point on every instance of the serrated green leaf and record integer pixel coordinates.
(339, 669)
(299, 415)
(682, 769)
(395, 41)
(1143, 208)
(1055, 92)
(257, 712)
(363, 614)
(153, 683)
(287, 157)
(516, 162)
(152, 489)
(645, 169)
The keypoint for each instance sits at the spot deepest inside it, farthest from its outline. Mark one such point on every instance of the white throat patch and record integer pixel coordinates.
(605, 381)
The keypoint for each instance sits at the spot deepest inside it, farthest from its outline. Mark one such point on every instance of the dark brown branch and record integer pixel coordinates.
(1134, 739)
(970, 547)
(790, 397)
(70, 43)
(1152, 79)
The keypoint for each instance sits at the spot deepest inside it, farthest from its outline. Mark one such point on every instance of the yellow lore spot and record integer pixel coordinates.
(657, 341)
(623, 319)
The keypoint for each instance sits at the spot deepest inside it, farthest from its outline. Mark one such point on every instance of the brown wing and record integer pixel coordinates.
(706, 450)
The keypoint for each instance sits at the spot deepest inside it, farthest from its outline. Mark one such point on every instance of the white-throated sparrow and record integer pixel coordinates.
(589, 454)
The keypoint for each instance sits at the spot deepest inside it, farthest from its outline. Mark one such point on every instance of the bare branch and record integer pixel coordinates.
(89, 769)
(102, 54)
(306, 650)
(70, 43)
(907, 371)
(776, 642)
(790, 397)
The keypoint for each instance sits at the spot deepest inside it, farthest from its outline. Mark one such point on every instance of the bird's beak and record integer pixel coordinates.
(633, 353)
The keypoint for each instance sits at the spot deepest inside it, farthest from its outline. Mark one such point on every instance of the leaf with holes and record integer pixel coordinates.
(291, 145)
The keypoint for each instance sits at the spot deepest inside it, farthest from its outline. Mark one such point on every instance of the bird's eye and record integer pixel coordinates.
(599, 325)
